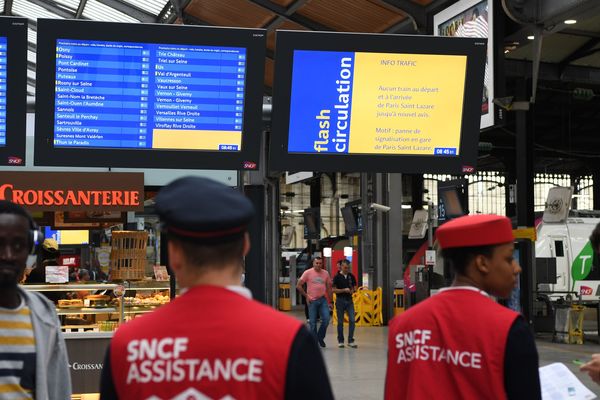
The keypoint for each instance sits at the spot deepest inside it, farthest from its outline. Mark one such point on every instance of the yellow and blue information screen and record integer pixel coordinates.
(376, 103)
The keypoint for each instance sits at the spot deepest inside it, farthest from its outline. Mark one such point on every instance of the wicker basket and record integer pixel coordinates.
(128, 255)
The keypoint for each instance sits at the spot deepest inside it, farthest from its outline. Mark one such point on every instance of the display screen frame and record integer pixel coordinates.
(452, 13)
(312, 223)
(453, 199)
(289, 41)
(49, 31)
(15, 30)
(352, 218)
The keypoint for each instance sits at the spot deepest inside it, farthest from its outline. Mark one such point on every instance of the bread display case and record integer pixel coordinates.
(143, 297)
(92, 314)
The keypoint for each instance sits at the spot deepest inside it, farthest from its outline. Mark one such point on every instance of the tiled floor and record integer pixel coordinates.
(360, 373)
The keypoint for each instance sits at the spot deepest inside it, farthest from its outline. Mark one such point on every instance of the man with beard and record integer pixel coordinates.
(32, 350)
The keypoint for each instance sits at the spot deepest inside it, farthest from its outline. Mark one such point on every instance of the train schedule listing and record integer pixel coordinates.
(128, 95)
(376, 103)
(3, 58)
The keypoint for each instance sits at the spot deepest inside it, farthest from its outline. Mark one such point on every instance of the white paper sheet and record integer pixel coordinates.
(559, 383)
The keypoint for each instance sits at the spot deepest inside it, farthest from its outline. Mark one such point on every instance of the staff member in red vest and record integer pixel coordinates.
(213, 341)
(461, 344)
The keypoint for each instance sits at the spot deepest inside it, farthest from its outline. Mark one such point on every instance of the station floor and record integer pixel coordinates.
(360, 373)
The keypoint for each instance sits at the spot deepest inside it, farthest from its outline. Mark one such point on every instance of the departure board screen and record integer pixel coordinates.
(126, 95)
(13, 90)
(3, 65)
(376, 103)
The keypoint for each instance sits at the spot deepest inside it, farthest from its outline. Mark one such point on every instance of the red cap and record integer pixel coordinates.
(475, 230)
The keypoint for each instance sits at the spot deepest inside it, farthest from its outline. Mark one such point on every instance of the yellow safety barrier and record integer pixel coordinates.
(285, 302)
(575, 321)
(367, 308)
(398, 301)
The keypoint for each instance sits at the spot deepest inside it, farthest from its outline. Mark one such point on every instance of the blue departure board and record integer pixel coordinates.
(125, 95)
(3, 58)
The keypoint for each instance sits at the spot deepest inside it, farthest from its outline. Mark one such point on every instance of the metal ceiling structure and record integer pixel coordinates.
(99, 10)
(568, 56)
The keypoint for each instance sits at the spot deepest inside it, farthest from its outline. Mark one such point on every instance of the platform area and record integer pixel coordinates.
(360, 373)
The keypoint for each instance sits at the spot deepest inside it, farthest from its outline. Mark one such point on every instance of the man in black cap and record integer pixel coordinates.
(212, 341)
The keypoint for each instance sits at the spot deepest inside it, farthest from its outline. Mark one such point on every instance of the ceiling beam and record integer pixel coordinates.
(282, 17)
(168, 14)
(583, 51)
(53, 9)
(551, 72)
(189, 19)
(407, 26)
(178, 7)
(79, 12)
(8, 7)
(580, 32)
(130, 10)
(413, 11)
(290, 13)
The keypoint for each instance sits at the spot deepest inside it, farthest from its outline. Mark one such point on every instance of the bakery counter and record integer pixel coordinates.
(86, 357)
(89, 322)
(88, 335)
(71, 287)
(86, 310)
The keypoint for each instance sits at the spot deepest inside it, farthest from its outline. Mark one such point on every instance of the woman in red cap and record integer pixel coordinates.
(460, 343)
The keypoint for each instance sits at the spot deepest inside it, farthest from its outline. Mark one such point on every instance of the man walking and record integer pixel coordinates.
(33, 354)
(318, 296)
(344, 285)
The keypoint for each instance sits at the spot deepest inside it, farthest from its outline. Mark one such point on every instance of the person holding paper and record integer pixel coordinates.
(593, 368)
(460, 343)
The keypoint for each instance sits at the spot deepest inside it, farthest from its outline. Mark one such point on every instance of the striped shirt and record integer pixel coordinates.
(17, 353)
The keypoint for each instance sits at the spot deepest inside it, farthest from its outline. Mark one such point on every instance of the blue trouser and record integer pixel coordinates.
(319, 306)
(342, 305)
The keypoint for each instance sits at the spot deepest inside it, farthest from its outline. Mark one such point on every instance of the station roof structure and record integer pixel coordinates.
(566, 123)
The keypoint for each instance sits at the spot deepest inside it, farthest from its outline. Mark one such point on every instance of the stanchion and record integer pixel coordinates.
(285, 302)
(398, 301)
(576, 313)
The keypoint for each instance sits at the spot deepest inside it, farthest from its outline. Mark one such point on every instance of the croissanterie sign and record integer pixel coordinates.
(74, 191)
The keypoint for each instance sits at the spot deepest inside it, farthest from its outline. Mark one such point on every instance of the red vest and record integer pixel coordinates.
(208, 342)
(450, 346)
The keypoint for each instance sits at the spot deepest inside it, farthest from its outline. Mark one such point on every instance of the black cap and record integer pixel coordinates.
(203, 210)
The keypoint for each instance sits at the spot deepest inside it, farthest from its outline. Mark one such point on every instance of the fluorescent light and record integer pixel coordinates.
(347, 251)
(570, 21)
(530, 37)
(406, 206)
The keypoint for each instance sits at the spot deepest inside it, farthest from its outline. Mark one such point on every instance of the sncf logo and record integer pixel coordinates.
(192, 394)
(15, 160)
(249, 165)
(586, 291)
